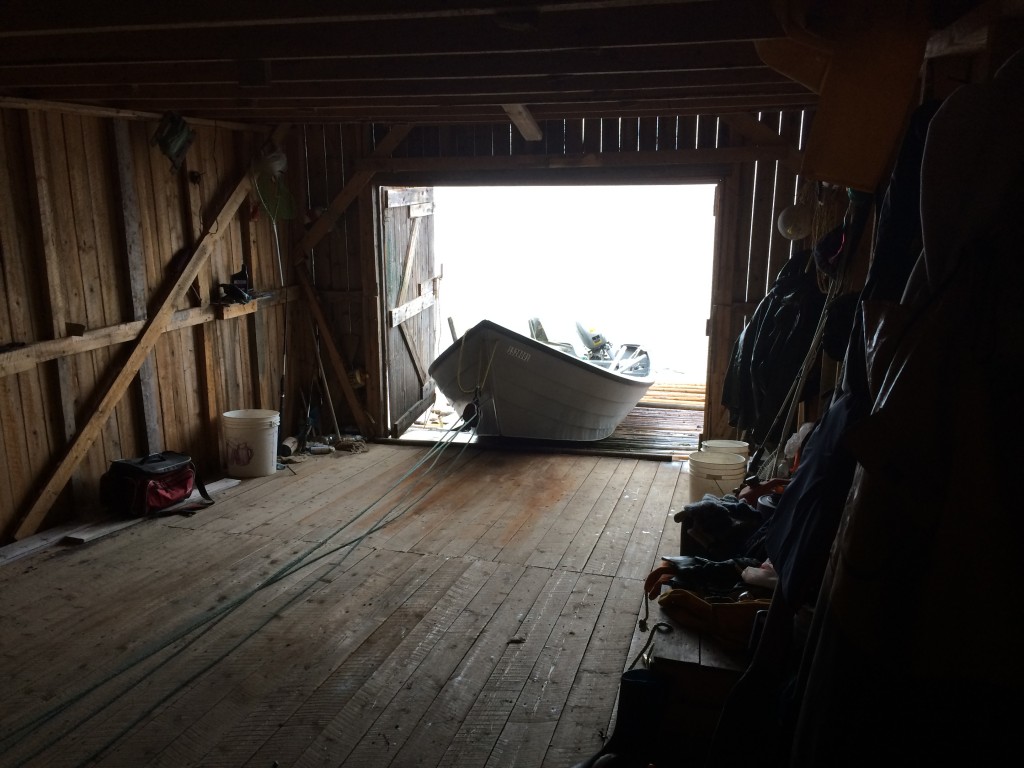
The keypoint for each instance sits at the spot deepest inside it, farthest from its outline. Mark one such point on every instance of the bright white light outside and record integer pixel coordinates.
(633, 262)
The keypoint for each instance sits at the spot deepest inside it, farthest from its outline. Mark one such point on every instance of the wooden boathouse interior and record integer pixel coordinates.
(391, 603)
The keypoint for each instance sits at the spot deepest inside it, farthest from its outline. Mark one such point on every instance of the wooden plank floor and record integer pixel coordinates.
(648, 432)
(388, 608)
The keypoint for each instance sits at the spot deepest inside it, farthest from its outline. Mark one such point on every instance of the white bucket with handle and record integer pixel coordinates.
(725, 446)
(715, 473)
(251, 439)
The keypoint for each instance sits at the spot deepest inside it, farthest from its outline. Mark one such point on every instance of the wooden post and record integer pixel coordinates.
(137, 278)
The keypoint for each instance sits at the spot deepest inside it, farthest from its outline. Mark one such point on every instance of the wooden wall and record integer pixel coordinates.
(95, 228)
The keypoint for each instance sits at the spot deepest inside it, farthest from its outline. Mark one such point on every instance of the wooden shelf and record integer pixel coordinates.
(227, 311)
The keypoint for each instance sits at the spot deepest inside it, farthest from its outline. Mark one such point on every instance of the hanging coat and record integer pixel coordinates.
(767, 355)
(914, 656)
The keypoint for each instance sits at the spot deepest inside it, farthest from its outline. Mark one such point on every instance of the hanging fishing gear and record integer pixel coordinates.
(275, 199)
(831, 258)
(174, 137)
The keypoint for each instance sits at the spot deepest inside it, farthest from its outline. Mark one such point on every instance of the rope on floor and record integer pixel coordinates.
(430, 460)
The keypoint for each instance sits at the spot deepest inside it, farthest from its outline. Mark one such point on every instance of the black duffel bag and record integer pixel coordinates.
(152, 485)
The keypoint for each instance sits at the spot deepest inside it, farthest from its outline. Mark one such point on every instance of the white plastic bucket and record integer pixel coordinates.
(725, 446)
(251, 438)
(714, 473)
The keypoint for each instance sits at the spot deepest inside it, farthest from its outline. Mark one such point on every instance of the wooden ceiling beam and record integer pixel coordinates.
(685, 58)
(548, 30)
(414, 85)
(681, 157)
(412, 91)
(256, 117)
(22, 16)
(493, 113)
(396, 61)
(520, 116)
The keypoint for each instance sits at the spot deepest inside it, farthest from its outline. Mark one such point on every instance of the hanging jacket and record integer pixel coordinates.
(767, 355)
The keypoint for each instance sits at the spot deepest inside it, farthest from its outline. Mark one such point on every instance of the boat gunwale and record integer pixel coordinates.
(485, 326)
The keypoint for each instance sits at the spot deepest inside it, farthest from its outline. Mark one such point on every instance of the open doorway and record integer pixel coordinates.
(631, 261)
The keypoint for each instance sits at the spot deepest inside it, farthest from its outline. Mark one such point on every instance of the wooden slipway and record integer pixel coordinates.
(345, 611)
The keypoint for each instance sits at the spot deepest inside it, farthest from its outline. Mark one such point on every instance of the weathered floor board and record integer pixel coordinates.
(359, 610)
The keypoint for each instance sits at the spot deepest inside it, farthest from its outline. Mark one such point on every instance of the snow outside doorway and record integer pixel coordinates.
(633, 262)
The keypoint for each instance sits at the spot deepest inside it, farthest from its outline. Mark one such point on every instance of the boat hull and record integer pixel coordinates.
(524, 388)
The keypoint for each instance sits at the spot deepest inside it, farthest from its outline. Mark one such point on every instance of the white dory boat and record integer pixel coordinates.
(531, 388)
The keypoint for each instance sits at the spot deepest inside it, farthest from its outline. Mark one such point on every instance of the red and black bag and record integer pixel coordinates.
(149, 486)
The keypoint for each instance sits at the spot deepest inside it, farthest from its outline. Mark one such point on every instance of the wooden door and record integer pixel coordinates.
(410, 305)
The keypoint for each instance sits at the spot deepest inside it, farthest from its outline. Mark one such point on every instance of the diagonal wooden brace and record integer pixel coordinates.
(323, 225)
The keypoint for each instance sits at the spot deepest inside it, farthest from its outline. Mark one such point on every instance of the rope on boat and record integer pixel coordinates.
(483, 379)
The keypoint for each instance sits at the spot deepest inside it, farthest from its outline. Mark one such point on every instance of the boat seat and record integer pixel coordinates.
(537, 332)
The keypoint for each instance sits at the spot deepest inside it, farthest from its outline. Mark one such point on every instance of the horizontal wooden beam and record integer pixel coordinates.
(176, 35)
(28, 356)
(297, 112)
(468, 89)
(87, 110)
(411, 308)
(680, 58)
(25, 16)
(701, 157)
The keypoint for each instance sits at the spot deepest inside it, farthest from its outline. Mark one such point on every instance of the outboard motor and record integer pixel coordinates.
(597, 346)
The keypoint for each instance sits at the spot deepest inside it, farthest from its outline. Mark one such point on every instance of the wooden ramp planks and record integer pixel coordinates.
(487, 624)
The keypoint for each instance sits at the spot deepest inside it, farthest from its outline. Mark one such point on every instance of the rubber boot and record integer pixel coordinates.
(638, 723)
